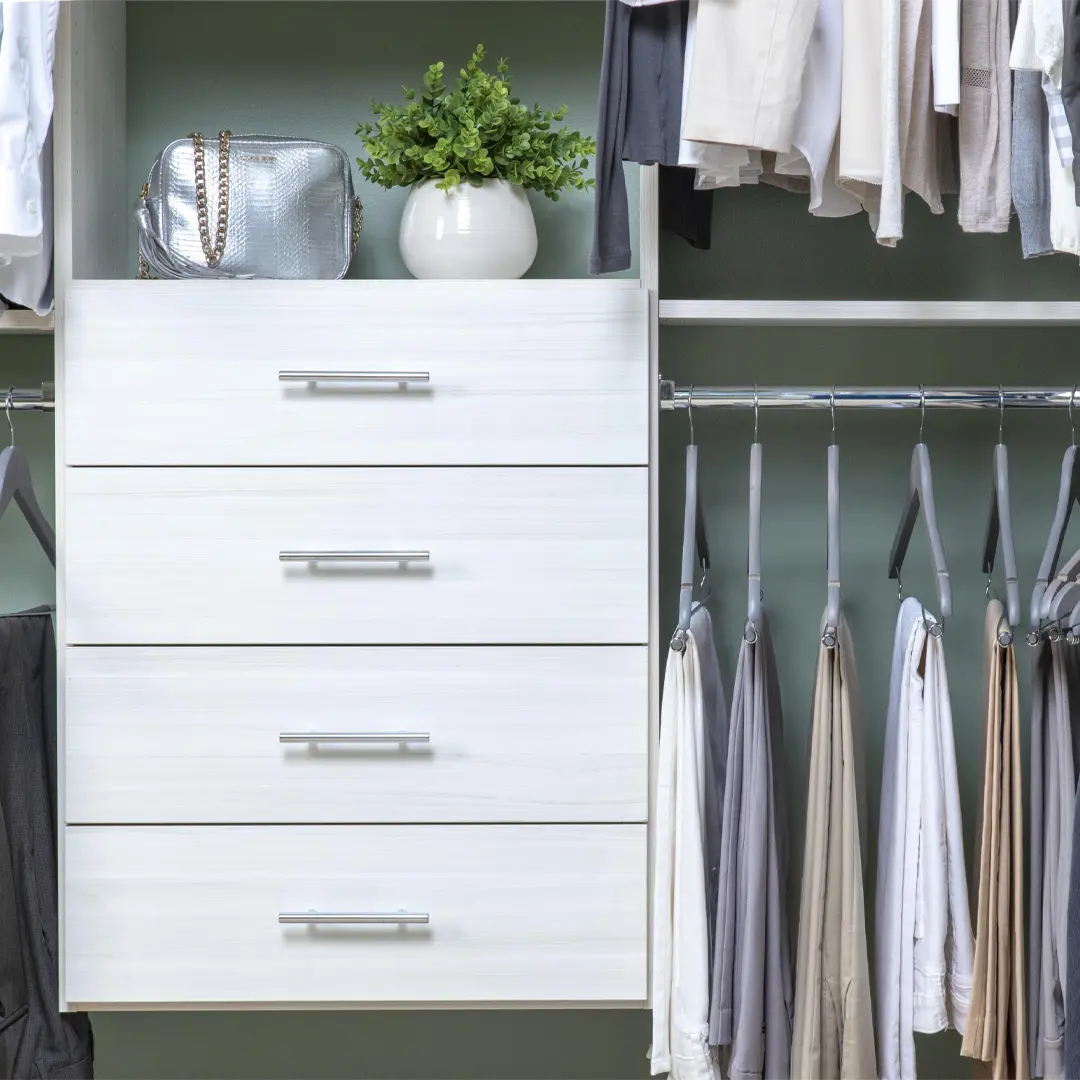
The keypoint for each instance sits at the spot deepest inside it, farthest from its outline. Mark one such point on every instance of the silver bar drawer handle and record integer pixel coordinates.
(358, 918)
(355, 737)
(355, 556)
(355, 376)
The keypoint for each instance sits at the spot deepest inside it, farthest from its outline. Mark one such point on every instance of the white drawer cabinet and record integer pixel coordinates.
(188, 735)
(187, 373)
(516, 556)
(351, 646)
(537, 913)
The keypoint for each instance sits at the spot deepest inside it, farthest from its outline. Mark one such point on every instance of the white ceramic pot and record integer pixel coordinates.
(468, 232)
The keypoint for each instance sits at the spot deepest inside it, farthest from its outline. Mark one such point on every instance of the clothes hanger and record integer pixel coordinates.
(753, 558)
(831, 634)
(1000, 526)
(921, 495)
(16, 483)
(693, 538)
(1068, 493)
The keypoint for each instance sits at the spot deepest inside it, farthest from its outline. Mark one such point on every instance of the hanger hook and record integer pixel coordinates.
(755, 412)
(1001, 413)
(899, 587)
(922, 411)
(7, 412)
(1072, 422)
(832, 410)
(690, 412)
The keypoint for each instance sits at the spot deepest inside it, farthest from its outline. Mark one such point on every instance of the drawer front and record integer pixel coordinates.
(498, 556)
(395, 735)
(525, 913)
(187, 373)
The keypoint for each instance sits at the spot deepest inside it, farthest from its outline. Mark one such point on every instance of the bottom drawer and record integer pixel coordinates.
(192, 915)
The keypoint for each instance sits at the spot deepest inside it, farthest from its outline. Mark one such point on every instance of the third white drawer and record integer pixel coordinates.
(353, 735)
(383, 556)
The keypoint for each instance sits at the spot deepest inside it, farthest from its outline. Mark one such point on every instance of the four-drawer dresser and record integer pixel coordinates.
(354, 623)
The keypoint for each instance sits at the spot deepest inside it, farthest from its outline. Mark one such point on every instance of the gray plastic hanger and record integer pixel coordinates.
(753, 557)
(1068, 493)
(16, 483)
(693, 538)
(830, 635)
(1000, 525)
(921, 496)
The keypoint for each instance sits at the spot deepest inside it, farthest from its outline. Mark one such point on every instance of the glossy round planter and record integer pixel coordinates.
(468, 232)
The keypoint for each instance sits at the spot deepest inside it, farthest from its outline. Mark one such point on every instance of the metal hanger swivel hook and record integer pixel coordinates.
(755, 412)
(832, 411)
(1072, 422)
(690, 412)
(1001, 413)
(922, 411)
(7, 413)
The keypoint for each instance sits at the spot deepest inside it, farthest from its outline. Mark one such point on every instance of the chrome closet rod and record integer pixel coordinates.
(43, 400)
(865, 397)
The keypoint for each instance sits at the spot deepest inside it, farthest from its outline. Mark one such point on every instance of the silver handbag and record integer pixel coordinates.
(285, 209)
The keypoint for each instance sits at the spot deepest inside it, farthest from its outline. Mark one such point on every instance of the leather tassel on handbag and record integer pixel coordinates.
(285, 209)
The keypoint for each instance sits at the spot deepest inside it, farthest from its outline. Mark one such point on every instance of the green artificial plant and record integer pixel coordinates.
(475, 132)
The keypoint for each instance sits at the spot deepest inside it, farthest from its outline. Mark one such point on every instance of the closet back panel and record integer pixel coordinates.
(875, 452)
(311, 69)
(26, 576)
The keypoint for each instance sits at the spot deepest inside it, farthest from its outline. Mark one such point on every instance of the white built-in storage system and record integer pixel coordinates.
(357, 694)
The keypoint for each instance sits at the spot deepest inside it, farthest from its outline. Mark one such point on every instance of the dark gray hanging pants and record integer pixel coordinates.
(35, 1039)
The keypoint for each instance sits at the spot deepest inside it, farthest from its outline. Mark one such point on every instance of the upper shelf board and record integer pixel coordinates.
(25, 322)
(867, 312)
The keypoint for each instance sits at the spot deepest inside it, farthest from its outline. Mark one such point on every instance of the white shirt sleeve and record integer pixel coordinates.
(26, 105)
(945, 55)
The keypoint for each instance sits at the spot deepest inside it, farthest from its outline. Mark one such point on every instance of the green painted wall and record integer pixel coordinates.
(311, 69)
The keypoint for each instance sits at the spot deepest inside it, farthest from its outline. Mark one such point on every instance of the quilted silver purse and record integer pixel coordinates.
(285, 209)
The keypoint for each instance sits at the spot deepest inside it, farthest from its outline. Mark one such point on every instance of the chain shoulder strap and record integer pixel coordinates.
(216, 250)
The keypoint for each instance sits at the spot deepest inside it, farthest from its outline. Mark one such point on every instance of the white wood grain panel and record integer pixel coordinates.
(186, 373)
(516, 734)
(526, 913)
(518, 556)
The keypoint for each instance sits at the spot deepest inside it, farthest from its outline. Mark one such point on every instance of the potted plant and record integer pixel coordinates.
(469, 155)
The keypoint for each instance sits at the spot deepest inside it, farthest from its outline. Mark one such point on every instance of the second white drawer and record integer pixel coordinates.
(357, 556)
(291, 735)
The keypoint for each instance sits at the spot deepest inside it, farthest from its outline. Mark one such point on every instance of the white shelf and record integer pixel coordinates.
(866, 313)
(25, 322)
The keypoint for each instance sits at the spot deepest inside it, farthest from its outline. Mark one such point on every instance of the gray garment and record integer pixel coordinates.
(715, 713)
(1042, 677)
(36, 1040)
(1030, 173)
(1070, 81)
(1072, 1018)
(752, 1004)
(640, 115)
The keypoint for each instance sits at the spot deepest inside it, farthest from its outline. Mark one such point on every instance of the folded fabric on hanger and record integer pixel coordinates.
(997, 1029)
(923, 975)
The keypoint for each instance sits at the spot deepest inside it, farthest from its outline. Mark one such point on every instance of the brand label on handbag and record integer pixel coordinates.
(266, 159)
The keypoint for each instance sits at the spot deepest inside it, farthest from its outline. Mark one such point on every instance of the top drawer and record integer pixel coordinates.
(517, 373)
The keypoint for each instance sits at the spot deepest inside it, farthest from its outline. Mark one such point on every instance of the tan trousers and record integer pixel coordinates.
(834, 1028)
(997, 1023)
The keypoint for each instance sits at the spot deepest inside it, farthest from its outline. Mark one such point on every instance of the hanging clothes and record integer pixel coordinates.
(1054, 742)
(746, 71)
(27, 52)
(997, 1022)
(640, 120)
(834, 1025)
(860, 159)
(1070, 79)
(752, 995)
(685, 825)
(945, 55)
(985, 118)
(36, 1039)
(923, 968)
(1072, 1020)
(1042, 692)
